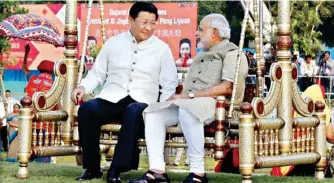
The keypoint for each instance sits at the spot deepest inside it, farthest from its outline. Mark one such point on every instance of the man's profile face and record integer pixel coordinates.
(205, 33)
(308, 60)
(326, 56)
(143, 26)
(7, 94)
(294, 57)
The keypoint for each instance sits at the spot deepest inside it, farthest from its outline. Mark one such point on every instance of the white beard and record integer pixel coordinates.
(200, 45)
(204, 42)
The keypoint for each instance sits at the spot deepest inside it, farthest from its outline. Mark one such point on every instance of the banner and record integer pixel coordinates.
(176, 21)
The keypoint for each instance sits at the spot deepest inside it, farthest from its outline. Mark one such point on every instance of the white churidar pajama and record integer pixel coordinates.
(155, 134)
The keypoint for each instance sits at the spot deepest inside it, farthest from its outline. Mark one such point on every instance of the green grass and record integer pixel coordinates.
(65, 171)
(143, 164)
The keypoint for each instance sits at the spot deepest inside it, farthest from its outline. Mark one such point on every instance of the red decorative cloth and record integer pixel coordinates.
(46, 66)
(41, 83)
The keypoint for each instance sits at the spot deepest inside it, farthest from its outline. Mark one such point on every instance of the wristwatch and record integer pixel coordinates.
(191, 95)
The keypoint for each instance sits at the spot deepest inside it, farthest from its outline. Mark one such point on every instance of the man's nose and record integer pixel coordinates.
(148, 28)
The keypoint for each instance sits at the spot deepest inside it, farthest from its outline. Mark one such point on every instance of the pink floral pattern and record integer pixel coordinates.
(31, 27)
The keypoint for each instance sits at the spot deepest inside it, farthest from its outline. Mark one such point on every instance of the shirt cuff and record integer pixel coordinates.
(164, 97)
(88, 88)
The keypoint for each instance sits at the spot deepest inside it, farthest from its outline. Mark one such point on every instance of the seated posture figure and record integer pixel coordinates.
(130, 66)
(212, 74)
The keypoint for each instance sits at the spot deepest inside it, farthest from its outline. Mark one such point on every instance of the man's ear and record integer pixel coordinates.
(130, 19)
(215, 33)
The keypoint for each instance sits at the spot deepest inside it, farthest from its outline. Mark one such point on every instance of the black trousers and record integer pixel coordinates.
(4, 138)
(305, 83)
(96, 112)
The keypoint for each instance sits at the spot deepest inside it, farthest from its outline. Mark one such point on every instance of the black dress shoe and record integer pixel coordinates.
(89, 175)
(113, 176)
(158, 178)
(193, 178)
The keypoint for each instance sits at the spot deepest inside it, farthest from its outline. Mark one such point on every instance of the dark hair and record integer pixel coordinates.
(91, 38)
(185, 40)
(17, 105)
(329, 53)
(321, 56)
(308, 56)
(8, 91)
(143, 6)
(251, 53)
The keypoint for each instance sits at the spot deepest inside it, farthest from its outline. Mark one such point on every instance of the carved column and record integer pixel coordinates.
(25, 137)
(70, 42)
(246, 142)
(320, 140)
(285, 104)
(259, 78)
(219, 132)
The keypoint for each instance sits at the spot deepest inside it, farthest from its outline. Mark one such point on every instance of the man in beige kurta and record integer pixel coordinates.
(211, 74)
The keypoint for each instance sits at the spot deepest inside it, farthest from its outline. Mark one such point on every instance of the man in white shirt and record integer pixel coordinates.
(131, 66)
(11, 101)
(10, 107)
(308, 70)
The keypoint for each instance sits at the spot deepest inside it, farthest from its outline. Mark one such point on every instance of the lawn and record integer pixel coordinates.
(65, 171)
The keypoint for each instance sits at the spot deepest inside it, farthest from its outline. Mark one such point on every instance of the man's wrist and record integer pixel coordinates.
(82, 87)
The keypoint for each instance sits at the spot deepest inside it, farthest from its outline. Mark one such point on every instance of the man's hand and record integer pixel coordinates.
(176, 96)
(27, 48)
(25, 60)
(78, 94)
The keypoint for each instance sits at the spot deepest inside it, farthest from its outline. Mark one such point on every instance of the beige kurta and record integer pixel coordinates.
(209, 69)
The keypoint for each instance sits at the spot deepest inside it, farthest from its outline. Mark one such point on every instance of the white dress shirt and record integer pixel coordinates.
(11, 102)
(125, 68)
(308, 69)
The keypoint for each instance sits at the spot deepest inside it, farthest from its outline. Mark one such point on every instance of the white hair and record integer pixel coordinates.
(220, 23)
